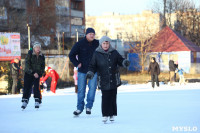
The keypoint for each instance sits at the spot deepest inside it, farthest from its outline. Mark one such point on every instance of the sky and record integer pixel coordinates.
(98, 7)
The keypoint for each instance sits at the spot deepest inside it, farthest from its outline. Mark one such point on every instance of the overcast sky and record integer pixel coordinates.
(97, 7)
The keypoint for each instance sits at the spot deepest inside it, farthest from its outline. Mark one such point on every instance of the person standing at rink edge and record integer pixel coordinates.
(155, 71)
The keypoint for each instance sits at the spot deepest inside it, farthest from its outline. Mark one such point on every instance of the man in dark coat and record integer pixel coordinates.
(172, 72)
(15, 68)
(155, 71)
(34, 69)
(84, 49)
(105, 62)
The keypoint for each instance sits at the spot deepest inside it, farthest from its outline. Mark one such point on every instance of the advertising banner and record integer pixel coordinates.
(9, 46)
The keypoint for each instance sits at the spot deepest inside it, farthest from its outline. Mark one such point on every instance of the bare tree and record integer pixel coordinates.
(182, 16)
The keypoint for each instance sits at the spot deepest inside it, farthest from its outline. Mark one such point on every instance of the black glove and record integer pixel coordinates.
(126, 63)
(89, 75)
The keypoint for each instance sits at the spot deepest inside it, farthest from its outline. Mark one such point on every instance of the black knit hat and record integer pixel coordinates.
(90, 30)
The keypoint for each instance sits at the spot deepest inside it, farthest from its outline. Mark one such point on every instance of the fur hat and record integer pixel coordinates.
(90, 30)
(104, 39)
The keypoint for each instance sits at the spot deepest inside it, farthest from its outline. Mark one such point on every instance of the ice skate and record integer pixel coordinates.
(105, 118)
(112, 118)
(77, 112)
(88, 111)
(24, 103)
(37, 104)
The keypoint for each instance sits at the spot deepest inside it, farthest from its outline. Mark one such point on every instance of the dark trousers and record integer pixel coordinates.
(14, 84)
(109, 102)
(154, 78)
(29, 81)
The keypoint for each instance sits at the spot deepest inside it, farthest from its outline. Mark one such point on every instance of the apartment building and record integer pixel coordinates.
(126, 27)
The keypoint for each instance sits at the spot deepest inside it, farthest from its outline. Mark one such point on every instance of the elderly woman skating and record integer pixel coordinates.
(105, 62)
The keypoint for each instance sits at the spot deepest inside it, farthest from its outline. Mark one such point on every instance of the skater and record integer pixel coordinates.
(181, 76)
(155, 71)
(75, 76)
(54, 76)
(15, 69)
(34, 68)
(84, 49)
(105, 62)
(176, 66)
(172, 72)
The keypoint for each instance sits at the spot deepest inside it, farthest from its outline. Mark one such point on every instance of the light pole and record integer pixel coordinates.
(29, 37)
(63, 41)
(77, 35)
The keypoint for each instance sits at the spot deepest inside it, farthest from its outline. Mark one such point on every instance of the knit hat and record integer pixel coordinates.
(36, 44)
(90, 30)
(104, 39)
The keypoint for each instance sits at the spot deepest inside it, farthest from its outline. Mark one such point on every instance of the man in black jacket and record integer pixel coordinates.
(34, 68)
(155, 71)
(84, 49)
(172, 72)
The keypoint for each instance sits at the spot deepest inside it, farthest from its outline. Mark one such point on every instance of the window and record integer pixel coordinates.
(38, 20)
(30, 19)
(38, 3)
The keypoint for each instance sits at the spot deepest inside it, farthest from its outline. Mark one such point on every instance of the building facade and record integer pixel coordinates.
(52, 22)
(126, 27)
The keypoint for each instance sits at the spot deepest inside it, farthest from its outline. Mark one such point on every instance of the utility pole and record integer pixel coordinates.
(29, 37)
(77, 35)
(63, 41)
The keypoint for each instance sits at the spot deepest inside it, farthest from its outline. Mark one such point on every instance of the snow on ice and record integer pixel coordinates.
(140, 110)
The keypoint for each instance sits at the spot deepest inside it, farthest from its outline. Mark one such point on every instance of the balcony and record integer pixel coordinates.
(75, 13)
(19, 4)
(62, 11)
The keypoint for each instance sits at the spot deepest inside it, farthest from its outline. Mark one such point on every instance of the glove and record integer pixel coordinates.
(89, 75)
(126, 63)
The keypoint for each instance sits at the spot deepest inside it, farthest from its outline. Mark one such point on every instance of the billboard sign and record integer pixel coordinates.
(9, 46)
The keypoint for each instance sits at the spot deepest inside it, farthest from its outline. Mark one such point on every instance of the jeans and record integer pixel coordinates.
(92, 84)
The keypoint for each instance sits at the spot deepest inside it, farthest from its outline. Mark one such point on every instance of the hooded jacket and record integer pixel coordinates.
(106, 63)
(84, 50)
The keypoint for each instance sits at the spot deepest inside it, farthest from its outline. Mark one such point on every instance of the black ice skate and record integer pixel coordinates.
(37, 103)
(24, 103)
(77, 112)
(88, 111)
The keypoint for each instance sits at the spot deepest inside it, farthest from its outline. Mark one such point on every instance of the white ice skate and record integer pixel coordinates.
(105, 119)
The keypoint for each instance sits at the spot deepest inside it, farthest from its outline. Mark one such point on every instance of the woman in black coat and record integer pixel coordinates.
(105, 62)
(155, 71)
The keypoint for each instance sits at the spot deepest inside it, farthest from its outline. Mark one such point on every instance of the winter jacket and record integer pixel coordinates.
(171, 66)
(106, 65)
(15, 68)
(154, 68)
(53, 74)
(84, 50)
(34, 64)
(180, 71)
